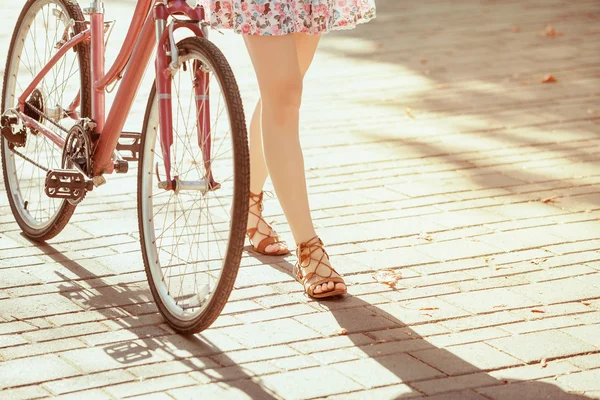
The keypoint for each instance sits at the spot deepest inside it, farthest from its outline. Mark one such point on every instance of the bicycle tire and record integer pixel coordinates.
(209, 54)
(57, 219)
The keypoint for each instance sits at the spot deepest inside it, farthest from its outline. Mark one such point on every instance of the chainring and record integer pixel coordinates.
(77, 153)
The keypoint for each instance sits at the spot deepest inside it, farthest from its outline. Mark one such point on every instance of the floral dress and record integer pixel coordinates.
(280, 17)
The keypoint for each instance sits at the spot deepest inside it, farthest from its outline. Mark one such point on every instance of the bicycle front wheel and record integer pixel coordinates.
(192, 236)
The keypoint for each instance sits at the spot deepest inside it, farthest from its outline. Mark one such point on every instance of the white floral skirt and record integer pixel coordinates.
(280, 17)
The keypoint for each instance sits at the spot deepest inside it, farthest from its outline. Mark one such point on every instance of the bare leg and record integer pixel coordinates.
(277, 62)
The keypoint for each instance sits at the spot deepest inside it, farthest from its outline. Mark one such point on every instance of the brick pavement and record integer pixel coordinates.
(431, 144)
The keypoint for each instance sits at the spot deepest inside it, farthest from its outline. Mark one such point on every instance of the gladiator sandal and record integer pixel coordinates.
(271, 236)
(323, 273)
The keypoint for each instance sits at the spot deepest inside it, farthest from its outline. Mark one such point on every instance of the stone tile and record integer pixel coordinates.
(387, 370)
(35, 349)
(32, 370)
(490, 300)
(270, 333)
(314, 382)
(331, 343)
(399, 391)
(25, 393)
(454, 383)
(419, 311)
(466, 358)
(237, 390)
(532, 390)
(354, 320)
(534, 371)
(558, 291)
(588, 361)
(152, 385)
(471, 336)
(539, 345)
(589, 334)
(86, 382)
(37, 306)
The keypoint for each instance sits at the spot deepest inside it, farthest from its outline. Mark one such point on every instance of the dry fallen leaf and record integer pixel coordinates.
(423, 61)
(409, 113)
(429, 308)
(342, 332)
(549, 199)
(544, 363)
(500, 306)
(538, 261)
(535, 310)
(516, 29)
(488, 259)
(426, 236)
(585, 303)
(387, 277)
(548, 79)
(550, 32)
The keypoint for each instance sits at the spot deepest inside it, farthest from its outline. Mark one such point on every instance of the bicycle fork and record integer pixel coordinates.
(167, 64)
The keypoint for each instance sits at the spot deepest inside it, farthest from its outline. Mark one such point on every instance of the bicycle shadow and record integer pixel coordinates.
(126, 305)
(198, 353)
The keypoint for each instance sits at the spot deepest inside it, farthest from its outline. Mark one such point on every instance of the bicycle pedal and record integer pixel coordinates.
(67, 184)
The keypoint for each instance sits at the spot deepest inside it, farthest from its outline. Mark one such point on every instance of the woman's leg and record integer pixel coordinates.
(277, 62)
(306, 46)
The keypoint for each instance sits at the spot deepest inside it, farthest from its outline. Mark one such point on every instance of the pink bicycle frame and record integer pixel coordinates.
(147, 28)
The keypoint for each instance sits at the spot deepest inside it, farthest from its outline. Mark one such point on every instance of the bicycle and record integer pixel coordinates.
(58, 142)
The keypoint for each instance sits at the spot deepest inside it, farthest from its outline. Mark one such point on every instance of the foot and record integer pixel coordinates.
(262, 236)
(315, 272)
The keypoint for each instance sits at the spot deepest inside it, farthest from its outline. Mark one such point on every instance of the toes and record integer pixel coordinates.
(318, 289)
(330, 286)
(340, 286)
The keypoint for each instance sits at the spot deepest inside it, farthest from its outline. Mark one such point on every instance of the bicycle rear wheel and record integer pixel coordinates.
(192, 237)
(42, 27)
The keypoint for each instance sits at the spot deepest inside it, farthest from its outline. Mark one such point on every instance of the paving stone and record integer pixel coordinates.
(66, 332)
(86, 382)
(588, 361)
(532, 390)
(246, 356)
(455, 383)
(37, 306)
(32, 370)
(25, 393)
(534, 371)
(589, 334)
(539, 345)
(472, 336)
(238, 390)
(152, 385)
(354, 320)
(387, 370)
(558, 291)
(315, 382)
(35, 349)
(270, 333)
(331, 343)
(466, 358)
(419, 311)
(490, 300)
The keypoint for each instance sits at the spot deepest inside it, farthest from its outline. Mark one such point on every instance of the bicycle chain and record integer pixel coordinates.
(39, 112)
(23, 156)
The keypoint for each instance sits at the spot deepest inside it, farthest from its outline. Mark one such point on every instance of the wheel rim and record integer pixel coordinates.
(41, 29)
(187, 234)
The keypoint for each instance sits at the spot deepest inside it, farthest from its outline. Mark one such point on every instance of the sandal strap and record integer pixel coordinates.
(271, 237)
(313, 278)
